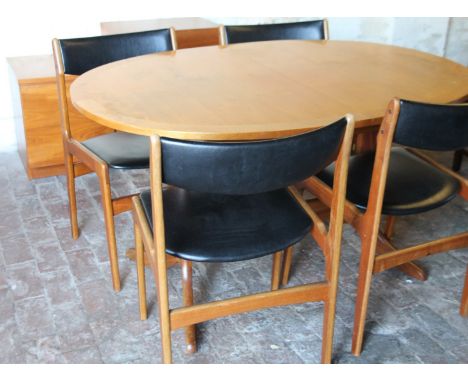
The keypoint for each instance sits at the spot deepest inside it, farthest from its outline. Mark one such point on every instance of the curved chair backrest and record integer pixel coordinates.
(306, 30)
(249, 167)
(432, 127)
(82, 54)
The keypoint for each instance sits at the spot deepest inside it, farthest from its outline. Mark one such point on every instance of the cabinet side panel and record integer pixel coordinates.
(18, 119)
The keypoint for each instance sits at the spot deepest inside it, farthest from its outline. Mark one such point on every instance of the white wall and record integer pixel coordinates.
(23, 32)
(444, 36)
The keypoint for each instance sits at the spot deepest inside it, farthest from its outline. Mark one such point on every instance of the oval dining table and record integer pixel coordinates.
(263, 90)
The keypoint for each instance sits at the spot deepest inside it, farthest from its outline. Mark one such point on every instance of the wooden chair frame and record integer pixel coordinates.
(377, 253)
(223, 39)
(88, 162)
(152, 245)
(464, 298)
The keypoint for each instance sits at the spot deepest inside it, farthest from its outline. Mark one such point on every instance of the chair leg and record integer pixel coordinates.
(276, 270)
(389, 226)
(140, 264)
(187, 291)
(464, 299)
(70, 171)
(106, 196)
(160, 275)
(287, 265)
(362, 300)
(328, 329)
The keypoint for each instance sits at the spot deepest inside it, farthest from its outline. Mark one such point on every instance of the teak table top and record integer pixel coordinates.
(261, 90)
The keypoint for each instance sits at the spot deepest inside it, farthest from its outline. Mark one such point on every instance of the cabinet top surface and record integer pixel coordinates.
(182, 23)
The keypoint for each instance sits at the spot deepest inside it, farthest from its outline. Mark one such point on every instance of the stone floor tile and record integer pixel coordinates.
(51, 191)
(2, 259)
(115, 344)
(39, 230)
(66, 241)
(10, 340)
(98, 300)
(460, 352)
(22, 186)
(89, 355)
(436, 325)
(75, 339)
(7, 201)
(83, 265)
(49, 256)
(10, 224)
(43, 350)
(57, 210)
(24, 281)
(425, 349)
(60, 287)
(16, 249)
(57, 303)
(3, 277)
(30, 207)
(386, 349)
(307, 350)
(7, 307)
(34, 318)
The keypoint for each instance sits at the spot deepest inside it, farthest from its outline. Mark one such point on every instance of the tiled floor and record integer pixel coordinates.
(57, 304)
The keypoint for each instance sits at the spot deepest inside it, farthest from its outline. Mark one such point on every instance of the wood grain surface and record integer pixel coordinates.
(262, 89)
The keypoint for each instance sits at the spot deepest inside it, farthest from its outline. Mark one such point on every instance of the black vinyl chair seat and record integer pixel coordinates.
(121, 150)
(224, 228)
(413, 186)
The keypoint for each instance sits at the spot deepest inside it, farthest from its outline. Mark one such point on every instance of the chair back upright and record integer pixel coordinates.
(249, 167)
(76, 56)
(305, 30)
(432, 127)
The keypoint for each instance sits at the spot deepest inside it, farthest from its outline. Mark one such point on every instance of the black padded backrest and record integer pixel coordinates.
(243, 168)
(82, 54)
(307, 30)
(432, 127)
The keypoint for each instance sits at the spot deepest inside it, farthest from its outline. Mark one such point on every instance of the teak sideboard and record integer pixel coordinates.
(35, 98)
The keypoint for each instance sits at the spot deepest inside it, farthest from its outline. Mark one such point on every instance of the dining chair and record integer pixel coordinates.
(304, 30)
(400, 181)
(228, 202)
(113, 150)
